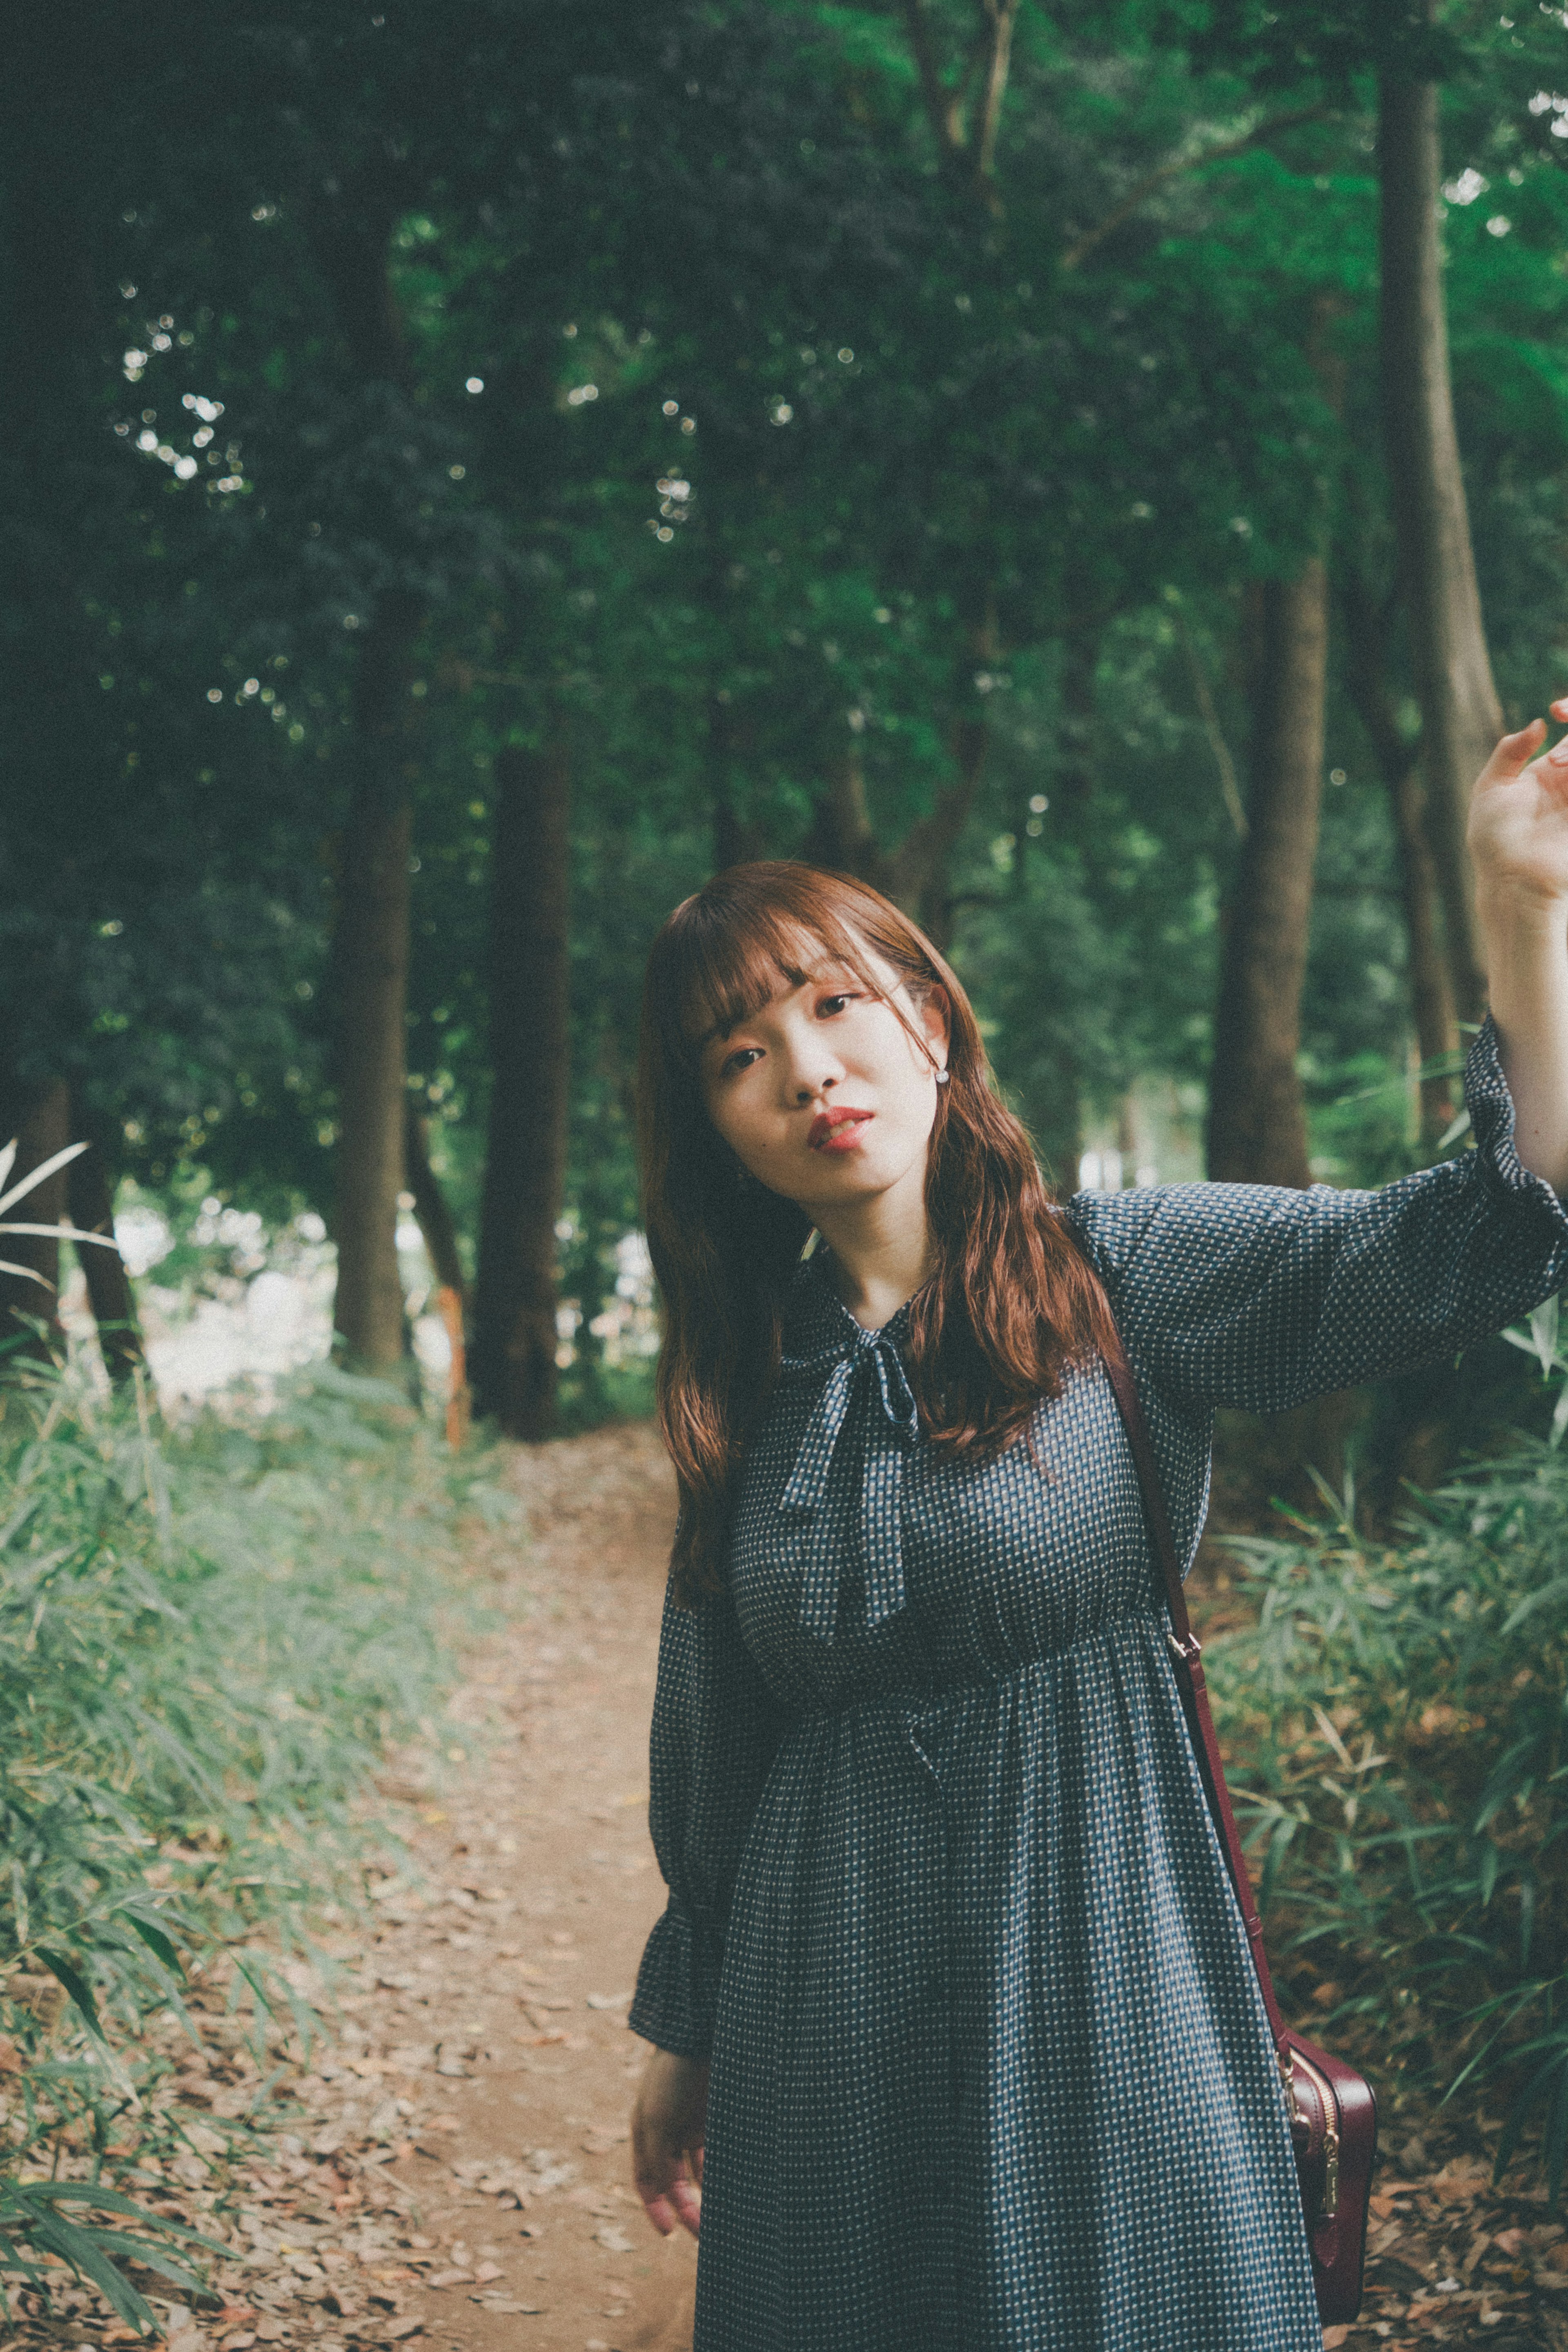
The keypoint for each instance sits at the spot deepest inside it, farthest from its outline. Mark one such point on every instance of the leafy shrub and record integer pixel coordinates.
(1394, 1715)
(205, 1639)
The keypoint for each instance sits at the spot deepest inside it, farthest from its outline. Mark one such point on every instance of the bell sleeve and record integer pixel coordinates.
(1260, 1298)
(715, 1731)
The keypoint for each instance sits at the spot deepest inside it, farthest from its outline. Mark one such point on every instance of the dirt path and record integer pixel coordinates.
(487, 2016)
(522, 1979)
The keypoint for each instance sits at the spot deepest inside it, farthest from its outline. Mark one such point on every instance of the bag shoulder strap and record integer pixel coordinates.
(1186, 1661)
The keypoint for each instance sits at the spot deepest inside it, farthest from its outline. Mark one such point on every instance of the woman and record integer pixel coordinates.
(943, 1884)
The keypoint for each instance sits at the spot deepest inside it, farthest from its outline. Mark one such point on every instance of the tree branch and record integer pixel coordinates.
(1002, 14)
(1081, 248)
(938, 100)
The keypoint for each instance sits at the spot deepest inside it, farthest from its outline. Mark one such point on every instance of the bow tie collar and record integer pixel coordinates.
(863, 1371)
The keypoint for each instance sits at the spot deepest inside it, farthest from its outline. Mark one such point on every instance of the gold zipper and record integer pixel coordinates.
(1331, 2136)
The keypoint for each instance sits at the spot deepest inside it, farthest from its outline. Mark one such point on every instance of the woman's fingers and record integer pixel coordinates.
(688, 2204)
(670, 2198)
(1514, 753)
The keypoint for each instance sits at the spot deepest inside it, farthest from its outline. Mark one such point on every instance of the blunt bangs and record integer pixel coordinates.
(724, 963)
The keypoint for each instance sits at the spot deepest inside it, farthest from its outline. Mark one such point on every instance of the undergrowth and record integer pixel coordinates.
(207, 1638)
(1394, 1714)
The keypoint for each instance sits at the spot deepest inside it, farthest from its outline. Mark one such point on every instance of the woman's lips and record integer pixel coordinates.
(837, 1131)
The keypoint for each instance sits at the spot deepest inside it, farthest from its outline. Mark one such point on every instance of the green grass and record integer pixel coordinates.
(206, 1639)
(1395, 1715)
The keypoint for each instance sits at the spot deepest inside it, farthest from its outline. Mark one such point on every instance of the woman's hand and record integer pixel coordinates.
(1519, 823)
(1519, 842)
(668, 2122)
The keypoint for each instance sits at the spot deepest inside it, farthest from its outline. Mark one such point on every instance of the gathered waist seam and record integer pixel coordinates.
(914, 1695)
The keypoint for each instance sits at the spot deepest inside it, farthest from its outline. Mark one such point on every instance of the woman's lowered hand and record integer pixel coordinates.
(669, 2119)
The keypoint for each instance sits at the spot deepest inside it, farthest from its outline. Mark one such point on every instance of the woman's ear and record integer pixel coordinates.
(935, 1014)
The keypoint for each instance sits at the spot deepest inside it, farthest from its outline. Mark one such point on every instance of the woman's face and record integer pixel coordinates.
(824, 1096)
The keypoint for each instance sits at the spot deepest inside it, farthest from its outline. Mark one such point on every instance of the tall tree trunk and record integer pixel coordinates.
(841, 835)
(90, 1198)
(351, 215)
(1400, 765)
(432, 1211)
(39, 1119)
(1461, 717)
(514, 1360)
(920, 872)
(1257, 1123)
(371, 968)
(1431, 994)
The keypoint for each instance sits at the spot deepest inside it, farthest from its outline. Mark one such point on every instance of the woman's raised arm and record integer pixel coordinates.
(1519, 842)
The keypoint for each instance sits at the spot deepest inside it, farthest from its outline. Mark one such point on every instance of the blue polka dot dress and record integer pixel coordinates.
(989, 2065)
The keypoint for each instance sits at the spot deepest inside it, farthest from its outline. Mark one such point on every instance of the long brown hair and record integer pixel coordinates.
(1011, 1305)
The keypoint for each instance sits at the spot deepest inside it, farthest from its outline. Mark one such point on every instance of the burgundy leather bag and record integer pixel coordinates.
(1334, 2112)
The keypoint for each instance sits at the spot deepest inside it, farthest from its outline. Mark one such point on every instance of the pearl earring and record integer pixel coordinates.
(942, 1077)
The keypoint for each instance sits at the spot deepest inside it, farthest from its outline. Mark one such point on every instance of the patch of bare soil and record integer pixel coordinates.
(492, 2000)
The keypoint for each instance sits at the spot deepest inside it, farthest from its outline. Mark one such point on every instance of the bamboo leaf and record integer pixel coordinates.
(38, 1175)
(1544, 1322)
(27, 1273)
(76, 1984)
(153, 1937)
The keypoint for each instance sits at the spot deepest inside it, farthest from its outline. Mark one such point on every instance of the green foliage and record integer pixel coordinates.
(1396, 1716)
(205, 1639)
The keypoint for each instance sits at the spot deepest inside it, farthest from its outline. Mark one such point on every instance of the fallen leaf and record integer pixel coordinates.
(486, 2271)
(609, 2001)
(614, 2240)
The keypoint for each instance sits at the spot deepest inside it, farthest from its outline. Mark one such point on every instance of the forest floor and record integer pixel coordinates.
(456, 2175)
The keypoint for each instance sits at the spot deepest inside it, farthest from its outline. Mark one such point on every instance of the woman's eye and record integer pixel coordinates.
(740, 1060)
(831, 1004)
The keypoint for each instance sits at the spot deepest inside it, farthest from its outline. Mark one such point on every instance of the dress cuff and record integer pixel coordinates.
(1490, 1107)
(677, 1984)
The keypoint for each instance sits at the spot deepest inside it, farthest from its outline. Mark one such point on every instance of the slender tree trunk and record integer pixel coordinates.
(1461, 717)
(841, 835)
(370, 960)
(1257, 1123)
(920, 872)
(432, 1211)
(350, 214)
(514, 1360)
(1431, 995)
(39, 1119)
(1400, 765)
(1055, 1107)
(89, 1199)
